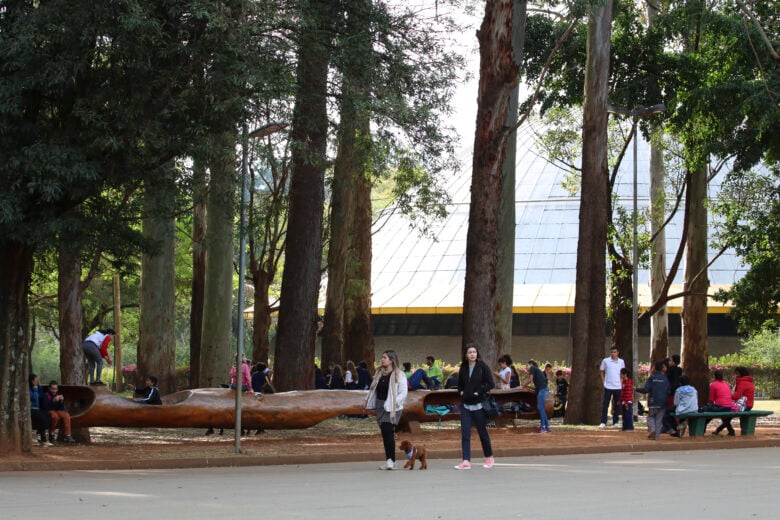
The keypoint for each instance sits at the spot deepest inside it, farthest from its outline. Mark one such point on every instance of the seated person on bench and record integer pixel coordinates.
(414, 379)
(686, 400)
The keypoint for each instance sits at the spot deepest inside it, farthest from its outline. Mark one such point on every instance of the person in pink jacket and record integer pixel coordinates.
(246, 376)
(719, 399)
(743, 387)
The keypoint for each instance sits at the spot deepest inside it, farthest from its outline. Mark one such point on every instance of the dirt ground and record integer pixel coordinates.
(346, 440)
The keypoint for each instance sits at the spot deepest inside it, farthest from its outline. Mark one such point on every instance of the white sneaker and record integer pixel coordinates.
(616, 425)
(389, 465)
(602, 426)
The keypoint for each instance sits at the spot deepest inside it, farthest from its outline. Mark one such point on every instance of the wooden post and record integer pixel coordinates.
(118, 385)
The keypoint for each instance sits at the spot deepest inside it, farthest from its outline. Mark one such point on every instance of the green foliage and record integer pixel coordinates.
(763, 347)
(749, 211)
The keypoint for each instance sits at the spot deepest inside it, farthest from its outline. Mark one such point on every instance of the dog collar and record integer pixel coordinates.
(410, 453)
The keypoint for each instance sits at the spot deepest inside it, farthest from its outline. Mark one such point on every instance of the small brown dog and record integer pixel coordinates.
(414, 453)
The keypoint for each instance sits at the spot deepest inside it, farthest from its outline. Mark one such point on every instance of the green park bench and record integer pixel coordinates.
(697, 422)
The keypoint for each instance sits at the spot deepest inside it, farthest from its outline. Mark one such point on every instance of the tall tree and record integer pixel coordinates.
(216, 335)
(659, 325)
(199, 191)
(156, 340)
(85, 108)
(347, 331)
(506, 243)
(498, 75)
(588, 344)
(303, 253)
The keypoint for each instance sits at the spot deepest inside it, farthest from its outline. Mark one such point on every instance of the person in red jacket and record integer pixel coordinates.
(743, 387)
(719, 399)
(627, 399)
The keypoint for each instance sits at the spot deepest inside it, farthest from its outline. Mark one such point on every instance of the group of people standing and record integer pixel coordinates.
(475, 379)
(669, 394)
(389, 389)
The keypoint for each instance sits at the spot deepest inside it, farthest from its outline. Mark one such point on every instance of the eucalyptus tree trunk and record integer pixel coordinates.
(216, 344)
(354, 156)
(659, 322)
(261, 318)
(156, 338)
(506, 219)
(696, 282)
(694, 314)
(72, 370)
(358, 334)
(621, 304)
(199, 190)
(16, 264)
(589, 338)
(294, 362)
(498, 76)
(345, 169)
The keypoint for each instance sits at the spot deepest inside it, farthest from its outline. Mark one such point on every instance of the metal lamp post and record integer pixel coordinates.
(635, 114)
(263, 131)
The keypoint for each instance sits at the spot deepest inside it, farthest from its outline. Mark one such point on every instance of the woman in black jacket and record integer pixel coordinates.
(475, 379)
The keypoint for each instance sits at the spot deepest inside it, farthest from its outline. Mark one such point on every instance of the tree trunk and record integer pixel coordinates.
(659, 324)
(356, 99)
(498, 75)
(261, 320)
(198, 268)
(16, 264)
(216, 335)
(294, 362)
(156, 339)
(588, 343)
(621, 305)
(345, 170)
(506, 218)
(694, 313)
(72, 370)
(359, 337)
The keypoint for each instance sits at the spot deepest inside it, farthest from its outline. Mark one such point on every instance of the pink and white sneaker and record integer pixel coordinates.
(464, 465)
(489, 463)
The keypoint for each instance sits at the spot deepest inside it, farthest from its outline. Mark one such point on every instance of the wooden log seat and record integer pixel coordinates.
(215, 407)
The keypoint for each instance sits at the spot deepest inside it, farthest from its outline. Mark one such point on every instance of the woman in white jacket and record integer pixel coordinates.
(387, 395)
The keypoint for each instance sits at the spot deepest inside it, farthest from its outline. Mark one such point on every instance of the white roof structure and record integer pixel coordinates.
(413, 274)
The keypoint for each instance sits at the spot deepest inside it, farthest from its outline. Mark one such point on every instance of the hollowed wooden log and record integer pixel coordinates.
(215, 407)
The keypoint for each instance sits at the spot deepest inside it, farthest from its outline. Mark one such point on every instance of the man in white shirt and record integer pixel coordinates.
(610, 377)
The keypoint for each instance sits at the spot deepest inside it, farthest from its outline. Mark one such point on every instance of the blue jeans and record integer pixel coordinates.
(614, 396)
(94, 361)
(541, 396)
(417, 377)
(477, 417)
(628, 417)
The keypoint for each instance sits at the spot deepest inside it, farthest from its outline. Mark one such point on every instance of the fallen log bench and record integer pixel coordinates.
(697, 421)
(92, 406)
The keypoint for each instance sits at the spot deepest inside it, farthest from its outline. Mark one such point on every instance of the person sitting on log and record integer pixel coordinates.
(54, 402)
(416, 379)
(151, 392)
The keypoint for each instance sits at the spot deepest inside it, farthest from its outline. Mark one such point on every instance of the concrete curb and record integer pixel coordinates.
(225, 461)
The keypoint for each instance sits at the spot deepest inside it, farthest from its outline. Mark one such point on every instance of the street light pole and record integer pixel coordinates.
(635, 114)
(263, 131)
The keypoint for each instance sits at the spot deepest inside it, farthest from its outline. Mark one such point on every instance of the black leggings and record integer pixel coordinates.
(388, 439)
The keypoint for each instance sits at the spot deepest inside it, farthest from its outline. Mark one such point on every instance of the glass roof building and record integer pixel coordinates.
(418, 281)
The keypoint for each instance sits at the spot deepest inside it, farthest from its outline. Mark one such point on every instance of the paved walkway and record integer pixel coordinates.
(710, 484)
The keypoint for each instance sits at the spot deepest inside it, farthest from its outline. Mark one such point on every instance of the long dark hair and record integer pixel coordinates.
(30, 380)
(475, 346)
